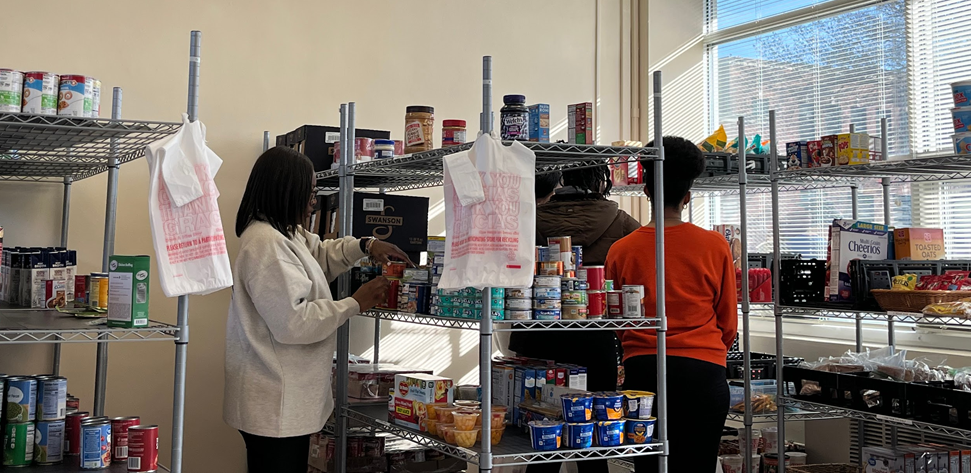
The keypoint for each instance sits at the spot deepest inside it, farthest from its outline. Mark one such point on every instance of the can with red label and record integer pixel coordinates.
(81, 288)
(596, 304)
(615, 304)
(72, 432)
(40, 93)
(143, 448)
(595, 277)
(70, 96)
(119, 436)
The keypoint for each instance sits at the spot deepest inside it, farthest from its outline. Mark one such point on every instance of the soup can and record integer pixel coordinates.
(545, 281)
(95, 443)
(546, 303)
(96, 281)
(547, 314)
(547, 292)
(18, 444)
(633, 301)
(73, 403)
(596, 304)
(49, 442)
(72, 432)
(143, 449)
(88, 95)
(550, 268)
(570, 284)
(574, 312)
(609, 285)
(40, 93)
(594, 276)
(11, 87)
(21, 399)
(519, 292)
(51, 397)
(70, 95)
(615, 304)
(575, 297)
(519, 304)
(577, 256)
(119, 436)
(518, 314)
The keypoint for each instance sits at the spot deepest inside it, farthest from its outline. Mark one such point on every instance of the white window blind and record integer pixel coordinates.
(725, 14)
(946, 205)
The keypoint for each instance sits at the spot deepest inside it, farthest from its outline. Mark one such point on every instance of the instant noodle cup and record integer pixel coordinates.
(638, 404)
(640, 430)
(497, 435)
(432, 426)
(444, 414)
(608, 405)
(545, 434)
(577, 407)
(465, 420)
(447, 432)
(962, 119)
(466, 438)
(610, 433)
(579, 435)
(962, 93)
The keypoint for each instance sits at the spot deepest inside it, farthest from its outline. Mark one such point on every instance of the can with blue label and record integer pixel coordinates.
(51, 397)
(577, 256)
(95, 443)
(49, 442)
(21, 399)
(546, 314)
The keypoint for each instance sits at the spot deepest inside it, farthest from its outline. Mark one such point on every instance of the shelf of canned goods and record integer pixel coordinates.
(425, 170)
(36, 148)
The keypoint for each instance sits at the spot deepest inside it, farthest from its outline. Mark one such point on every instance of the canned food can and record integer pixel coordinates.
(40, 93)
(574, 312)
(394, 285)
(547, 292)
(519, 314)
(519, 304)
(395, 269)
(51, 397)
(119, 436)
(95, 291)
(103, 293)
(596, 304)
(546, 303)
(96, 99)
(633, 301)
(72, 432)
(70, 96)
(550, 268)
(143, 449)
(88, 95)
(11, 87)
(81, 288)
(21, 399)
(18, 444)
(609, 285)
(615, 304)
(95, 443)
(73, 403)
(594, 276)
(575, 297)
(577, 256)
(519, 292)
(49, 442)
(561, 249)
(543, 254)
(546, 281)
(546, 314)
(570, 284)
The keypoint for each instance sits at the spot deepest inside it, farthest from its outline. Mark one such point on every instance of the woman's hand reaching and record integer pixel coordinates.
(384, 252)
(372, 293)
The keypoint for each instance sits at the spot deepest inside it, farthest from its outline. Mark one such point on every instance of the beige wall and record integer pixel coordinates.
(274, 66)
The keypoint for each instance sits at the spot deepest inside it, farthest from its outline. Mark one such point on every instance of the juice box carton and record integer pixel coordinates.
(128, 283)
(797, 154)
(413, 392)
(827, 156)
(919, 243)
(539, 122)
(850, 240)
(815, 148)
(852, 149)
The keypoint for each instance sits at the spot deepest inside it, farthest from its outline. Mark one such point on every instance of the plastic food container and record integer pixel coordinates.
(432, 409)
(638, 404)
(446, 432)
(467, 404)
(962, 119)
(962, 93)
(640, 430)
(545, 434)
(497, 434)
(465, 420)
(444, 414)
(432, 426)
(610, 433)
(962, 143)
(577, 407)
(608, 405)
(579, 435)
(466, 438)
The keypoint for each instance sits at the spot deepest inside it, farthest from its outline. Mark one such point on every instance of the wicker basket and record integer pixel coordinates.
(825, 468)
(914, 301)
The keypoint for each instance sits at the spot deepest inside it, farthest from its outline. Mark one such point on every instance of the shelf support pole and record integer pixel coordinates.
(485, 325)
(887, 215)
(776, 289)
(485, 118)
(266, 141)
(657, 206)
(65, 221)
(111, 213)
(746, 333)
(346, 203)
(182, 342)
(855, 200)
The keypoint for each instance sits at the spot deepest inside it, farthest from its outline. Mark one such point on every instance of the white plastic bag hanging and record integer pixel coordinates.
(187, 229)
(490, 216)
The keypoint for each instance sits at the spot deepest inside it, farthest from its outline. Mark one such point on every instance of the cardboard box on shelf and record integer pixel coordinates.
(317, 142)
(539, 123)
(918, 243)
(852, 149)
(128, 287)
(733, 235)
(815, 149)
(413, 392)
(398, 219)
(580, 124)
(827, 155)
(797, 154)
(367, 381)
(849, 240)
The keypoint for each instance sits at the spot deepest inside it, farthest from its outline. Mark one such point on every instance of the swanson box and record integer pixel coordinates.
(918, 243)
(128, 291)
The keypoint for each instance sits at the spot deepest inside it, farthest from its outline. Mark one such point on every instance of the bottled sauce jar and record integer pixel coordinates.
(453, 132)
(383, 149)
(514, 118)
(419, 127)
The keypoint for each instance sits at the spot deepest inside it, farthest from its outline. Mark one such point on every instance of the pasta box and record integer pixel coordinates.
(128, 284)
(919, 243)
(413, 392)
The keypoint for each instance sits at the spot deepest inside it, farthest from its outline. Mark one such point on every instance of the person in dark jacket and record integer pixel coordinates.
(580, 210)
(546, 185)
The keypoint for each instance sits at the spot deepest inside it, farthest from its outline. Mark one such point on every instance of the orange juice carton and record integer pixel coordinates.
(919, 243)
(413, 392)
(827, 156)
(815, 148)
(852, 149)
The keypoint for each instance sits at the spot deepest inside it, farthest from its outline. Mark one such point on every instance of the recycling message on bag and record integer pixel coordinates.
(490, 212)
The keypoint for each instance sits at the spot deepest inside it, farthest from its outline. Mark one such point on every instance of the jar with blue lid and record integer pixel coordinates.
(514, 118)
(383, 149)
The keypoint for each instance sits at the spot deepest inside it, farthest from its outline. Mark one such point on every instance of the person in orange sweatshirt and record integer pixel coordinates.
(701, 307)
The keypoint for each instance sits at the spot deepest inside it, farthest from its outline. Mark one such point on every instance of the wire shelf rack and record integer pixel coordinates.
(936, 168)
(45, 148)
(420, 170)
(514, 449)
(905, 317)
(789, 416)
(70, 465)
(513, 325)
(882, 419)
(47, 326)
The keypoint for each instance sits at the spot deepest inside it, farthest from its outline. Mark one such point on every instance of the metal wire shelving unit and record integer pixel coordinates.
(49, 149)
(421, 170)
(840, 412)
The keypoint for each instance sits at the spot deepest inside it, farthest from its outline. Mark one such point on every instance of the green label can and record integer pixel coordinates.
(18, 444)
(21, 399)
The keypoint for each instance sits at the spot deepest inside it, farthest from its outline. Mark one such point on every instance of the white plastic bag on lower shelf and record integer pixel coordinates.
(187, 229)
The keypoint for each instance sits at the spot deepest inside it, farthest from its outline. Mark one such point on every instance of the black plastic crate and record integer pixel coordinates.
(876, 395)
(866, 275)
(764, 260)
(721, 164)
(763, 365)
(802, 282)
(934, 403)
(814, 386)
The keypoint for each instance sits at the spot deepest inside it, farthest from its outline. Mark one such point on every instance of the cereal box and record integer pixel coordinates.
(539, 122)
(732, 234)
(815, 149)
(851, 240)
(827, 157)
(580, 124)
(413, 391)
(852, 149)
(919, 243)
(797, 154)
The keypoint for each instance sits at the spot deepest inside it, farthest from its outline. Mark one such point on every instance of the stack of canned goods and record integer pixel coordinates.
(558, 258)
(467, 303)
(547, 303)
(33, 430)
(519, 303)
(574, 298)
(45, 93)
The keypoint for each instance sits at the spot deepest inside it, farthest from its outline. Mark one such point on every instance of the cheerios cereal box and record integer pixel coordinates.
(413, 392)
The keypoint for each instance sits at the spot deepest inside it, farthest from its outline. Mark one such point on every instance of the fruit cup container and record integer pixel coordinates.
(466, 438)
(465, 420)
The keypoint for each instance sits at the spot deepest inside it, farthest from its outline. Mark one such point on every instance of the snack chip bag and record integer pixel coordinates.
(757, 146)
(904, 282)
(715, 142)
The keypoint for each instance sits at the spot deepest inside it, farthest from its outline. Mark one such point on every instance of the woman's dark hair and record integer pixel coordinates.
(278, 191)
(595, 180)
(683, 163)
(547, 183)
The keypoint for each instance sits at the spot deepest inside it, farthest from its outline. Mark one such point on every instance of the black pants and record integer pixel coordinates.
(697, 407)
(276, 455)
